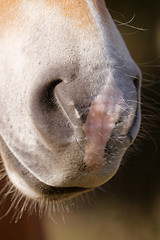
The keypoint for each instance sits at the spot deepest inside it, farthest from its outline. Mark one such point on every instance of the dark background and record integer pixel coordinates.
(128, 206)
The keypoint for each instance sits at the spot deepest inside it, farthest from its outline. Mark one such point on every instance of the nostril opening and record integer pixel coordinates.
(83, 111)
(136, 83)
(47, 98)
(84, 117)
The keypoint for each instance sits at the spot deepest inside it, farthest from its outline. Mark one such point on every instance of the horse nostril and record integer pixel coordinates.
(136, 82)
(83, 111)
(47, 98)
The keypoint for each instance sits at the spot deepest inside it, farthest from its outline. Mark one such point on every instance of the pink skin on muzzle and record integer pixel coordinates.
(101, 120)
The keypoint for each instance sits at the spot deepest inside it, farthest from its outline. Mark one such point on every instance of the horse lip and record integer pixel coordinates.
(61, 193)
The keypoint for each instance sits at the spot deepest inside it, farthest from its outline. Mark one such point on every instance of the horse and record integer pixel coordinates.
(69, 97)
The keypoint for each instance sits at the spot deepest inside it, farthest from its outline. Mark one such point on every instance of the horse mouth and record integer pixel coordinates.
(61, 193)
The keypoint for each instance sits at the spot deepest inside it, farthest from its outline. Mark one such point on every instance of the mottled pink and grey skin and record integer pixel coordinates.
(101, 120)
(69, 96)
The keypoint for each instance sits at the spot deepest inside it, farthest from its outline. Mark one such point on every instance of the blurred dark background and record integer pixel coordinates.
(128, 206)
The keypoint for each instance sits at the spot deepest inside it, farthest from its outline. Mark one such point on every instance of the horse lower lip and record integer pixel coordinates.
(61, 192)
